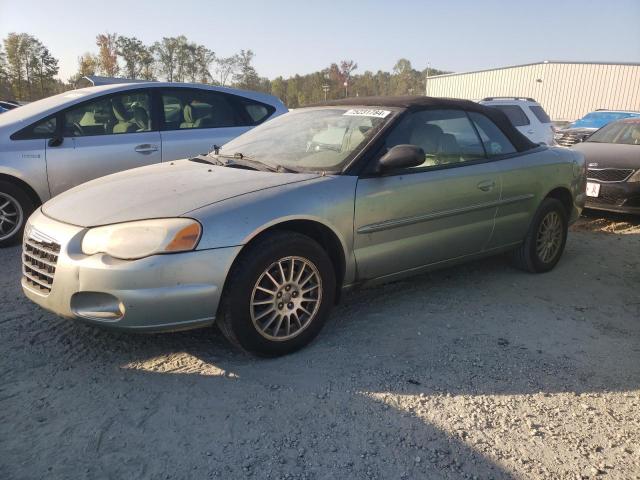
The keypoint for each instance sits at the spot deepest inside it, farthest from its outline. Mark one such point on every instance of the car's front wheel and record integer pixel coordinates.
(545, 240)
(278, 294)
(15, 208)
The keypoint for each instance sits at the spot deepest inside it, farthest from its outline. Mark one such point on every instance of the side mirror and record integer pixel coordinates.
(401, 156)
(55, 141)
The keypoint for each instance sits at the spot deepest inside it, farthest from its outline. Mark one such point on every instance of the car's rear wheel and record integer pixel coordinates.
(15, 208)
(545, 240)
(277, 295)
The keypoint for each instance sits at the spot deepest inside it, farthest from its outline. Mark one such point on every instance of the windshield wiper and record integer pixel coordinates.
(206, 159)
(240, 159)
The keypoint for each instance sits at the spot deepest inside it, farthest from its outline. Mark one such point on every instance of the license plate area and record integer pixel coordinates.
(593, 189)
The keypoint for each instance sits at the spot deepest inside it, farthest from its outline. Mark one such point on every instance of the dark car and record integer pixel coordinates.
(579, 130)
(613, 161)
(8, 105)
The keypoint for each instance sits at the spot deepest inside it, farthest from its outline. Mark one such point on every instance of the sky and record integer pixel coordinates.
(291, 37)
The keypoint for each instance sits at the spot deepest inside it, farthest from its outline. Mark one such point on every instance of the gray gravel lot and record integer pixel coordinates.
(479, 371)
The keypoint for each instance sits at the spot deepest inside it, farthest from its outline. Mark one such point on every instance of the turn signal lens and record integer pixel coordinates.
(185, 239)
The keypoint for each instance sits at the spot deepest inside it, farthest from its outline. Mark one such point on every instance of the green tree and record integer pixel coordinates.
(131, 50)
(167, 53)
(246, 76)
(107, 54)
(30, 67)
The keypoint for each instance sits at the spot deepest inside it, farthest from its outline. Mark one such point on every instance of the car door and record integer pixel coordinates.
(520, 174)
(441, 210)
(102, 136)
(194, 120)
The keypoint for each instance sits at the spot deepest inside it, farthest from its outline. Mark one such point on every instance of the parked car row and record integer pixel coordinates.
(610, 141)
(49, 146)
(580, 130)
(262, 233)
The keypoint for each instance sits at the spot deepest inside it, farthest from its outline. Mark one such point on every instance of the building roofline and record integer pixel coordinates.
(632, 64)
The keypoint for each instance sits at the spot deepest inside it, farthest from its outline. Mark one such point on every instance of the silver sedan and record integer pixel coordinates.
(54, 144)
(263, 235)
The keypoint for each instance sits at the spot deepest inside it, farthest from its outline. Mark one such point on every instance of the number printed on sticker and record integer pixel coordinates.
(367, 112)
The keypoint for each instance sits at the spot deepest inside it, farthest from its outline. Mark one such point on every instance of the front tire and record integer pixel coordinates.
(278, 294)
(15, 208)
(545, 240)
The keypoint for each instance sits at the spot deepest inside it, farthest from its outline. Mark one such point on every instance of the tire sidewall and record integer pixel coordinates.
(237, 295)
(549, 205)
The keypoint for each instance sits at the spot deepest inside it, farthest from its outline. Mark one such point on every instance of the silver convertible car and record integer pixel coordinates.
(263, 235)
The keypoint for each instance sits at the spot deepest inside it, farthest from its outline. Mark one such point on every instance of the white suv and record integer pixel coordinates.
(527, 115)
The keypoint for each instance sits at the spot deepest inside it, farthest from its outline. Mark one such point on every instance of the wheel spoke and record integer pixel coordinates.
(284, 278)
(273, 280)
(271, 320)
(265, 313)
(271, 292)
(293, 264)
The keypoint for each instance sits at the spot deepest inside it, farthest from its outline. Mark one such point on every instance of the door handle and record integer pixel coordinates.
(530, 131)
(146, 148)
(487, 185)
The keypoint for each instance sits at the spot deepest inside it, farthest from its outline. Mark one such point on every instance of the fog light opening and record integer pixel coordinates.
(97, 306)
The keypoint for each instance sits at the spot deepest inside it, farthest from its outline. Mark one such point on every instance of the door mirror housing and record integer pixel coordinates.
(401, 156)
(55, 141)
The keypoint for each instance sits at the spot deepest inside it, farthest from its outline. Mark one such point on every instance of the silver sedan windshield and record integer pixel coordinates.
(319, 139)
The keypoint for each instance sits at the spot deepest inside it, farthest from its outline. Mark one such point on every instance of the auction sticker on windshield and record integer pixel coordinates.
(367, 112)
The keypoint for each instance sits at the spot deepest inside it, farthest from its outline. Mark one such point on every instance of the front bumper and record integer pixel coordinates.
(622, 197)
(157, 293)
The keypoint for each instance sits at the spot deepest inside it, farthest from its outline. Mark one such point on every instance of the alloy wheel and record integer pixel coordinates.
(286, 298)
(549, 239)
(11, 216)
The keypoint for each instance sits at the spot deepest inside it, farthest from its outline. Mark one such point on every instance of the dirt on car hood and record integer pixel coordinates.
(158, 191)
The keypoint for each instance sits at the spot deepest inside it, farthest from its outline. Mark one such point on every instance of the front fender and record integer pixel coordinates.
(326, 200)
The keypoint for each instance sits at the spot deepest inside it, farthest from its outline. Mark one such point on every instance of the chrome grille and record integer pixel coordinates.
(570, 138)
(39, 259)
(609, 174)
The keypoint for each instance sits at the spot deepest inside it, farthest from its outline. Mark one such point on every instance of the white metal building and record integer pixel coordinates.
(566, 90)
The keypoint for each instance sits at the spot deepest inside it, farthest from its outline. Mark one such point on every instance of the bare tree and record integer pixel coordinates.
(226, 68)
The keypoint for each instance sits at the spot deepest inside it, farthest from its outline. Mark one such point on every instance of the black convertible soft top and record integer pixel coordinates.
(519, 141)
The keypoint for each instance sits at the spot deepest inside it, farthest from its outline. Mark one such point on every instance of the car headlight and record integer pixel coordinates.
(635, 177)
(132, 240)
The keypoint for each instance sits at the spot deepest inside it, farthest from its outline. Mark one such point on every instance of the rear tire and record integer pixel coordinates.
(278, 294)
(15, 208)
(545, 240)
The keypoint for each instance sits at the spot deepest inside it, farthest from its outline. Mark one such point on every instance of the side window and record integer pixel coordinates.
(256, 112)
(495, 142)
(115, 114)
(188, 108)
(515, 113)
(540, 114)
(446, 136)
(43, 129)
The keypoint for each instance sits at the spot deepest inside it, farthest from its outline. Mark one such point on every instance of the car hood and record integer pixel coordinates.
(610, 155)
(157, 191)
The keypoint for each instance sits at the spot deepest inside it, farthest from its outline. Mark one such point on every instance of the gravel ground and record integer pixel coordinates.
(479, 371)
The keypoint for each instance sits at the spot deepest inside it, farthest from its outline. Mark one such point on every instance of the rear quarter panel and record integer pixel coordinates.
(535, 175)
(25, 160)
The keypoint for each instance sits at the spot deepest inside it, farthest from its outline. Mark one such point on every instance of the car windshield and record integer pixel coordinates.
(627, 133)
(600, 119)
(310, 139)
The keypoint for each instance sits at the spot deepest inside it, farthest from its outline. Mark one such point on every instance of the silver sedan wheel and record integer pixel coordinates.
(11, 216)
(549, 239)
(286, 298)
